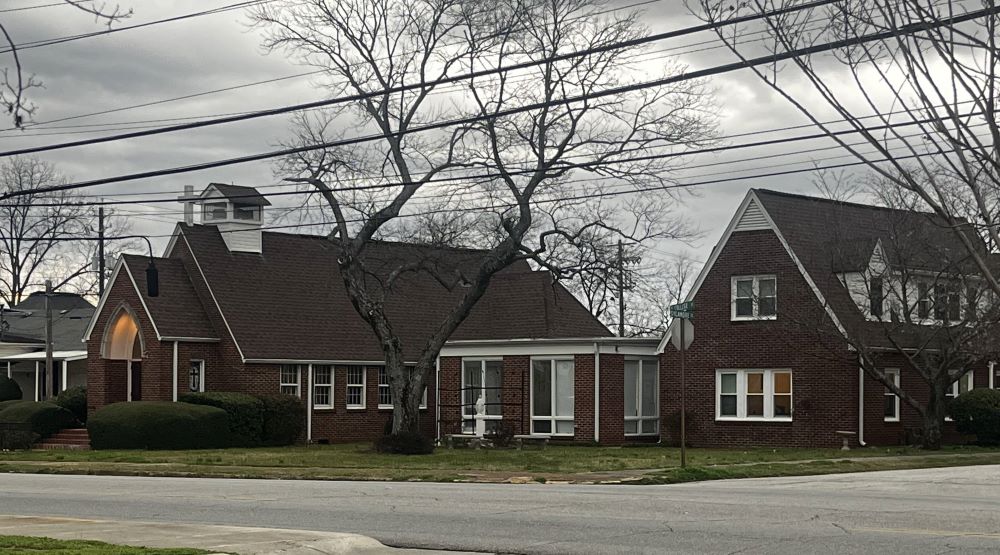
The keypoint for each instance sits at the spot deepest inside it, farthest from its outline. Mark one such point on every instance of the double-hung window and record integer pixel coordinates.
(923, 300)
(964, 384)
(481, 379)
(552, 396)
(947, 302)
(385, 389)
(291, 378)
(754, 298)
(876, 296)
(642, 412)
(891, 411)
(753, 395)
(323, 386)
(355, 394)
(196, 376)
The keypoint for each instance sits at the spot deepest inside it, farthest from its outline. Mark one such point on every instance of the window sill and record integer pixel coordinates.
(753, 318)
(891, 420)
(755, 420)
(355, 407)
(653, 434)
(385, 407)
(322, 408)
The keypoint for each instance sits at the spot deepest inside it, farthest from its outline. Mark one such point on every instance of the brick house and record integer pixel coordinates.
(245, 309)
(791, 275)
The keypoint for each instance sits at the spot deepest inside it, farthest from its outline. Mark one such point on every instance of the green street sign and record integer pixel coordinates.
(683, 310)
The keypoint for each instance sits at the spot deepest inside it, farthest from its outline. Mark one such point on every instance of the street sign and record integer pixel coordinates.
(675, 333)
(683, 310)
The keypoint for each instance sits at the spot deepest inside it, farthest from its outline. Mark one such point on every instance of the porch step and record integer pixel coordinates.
(71, 438)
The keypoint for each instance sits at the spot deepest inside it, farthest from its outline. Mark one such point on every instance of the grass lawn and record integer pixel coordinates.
(23, 545)
(649, 464)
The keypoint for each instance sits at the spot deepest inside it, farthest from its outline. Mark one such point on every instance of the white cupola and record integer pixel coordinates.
(237, 211)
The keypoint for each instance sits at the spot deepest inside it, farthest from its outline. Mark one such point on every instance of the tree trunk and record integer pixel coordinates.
(934, 418)
(407, 392)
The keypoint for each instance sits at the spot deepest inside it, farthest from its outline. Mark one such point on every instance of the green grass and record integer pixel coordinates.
(580, 463)
(24, 545)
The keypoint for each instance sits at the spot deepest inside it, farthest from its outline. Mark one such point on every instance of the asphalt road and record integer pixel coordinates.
(913, 512)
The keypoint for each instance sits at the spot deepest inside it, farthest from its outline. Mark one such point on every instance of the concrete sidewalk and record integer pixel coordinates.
(222, 539)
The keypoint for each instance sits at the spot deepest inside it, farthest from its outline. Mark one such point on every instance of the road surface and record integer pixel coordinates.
(912, 512)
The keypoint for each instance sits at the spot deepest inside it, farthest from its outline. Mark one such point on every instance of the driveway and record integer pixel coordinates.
(909, 511)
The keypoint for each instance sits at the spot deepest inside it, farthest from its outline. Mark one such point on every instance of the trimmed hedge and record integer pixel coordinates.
(9, 390)
(158, 425)
(44, 418)
(246, 415)
(284, 420)
(405, 443)
(978, 412)
(74, 400)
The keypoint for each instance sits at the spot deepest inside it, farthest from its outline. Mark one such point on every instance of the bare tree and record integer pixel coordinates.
(17, 82)
(40, 233)
(513, 148)
(915, 83)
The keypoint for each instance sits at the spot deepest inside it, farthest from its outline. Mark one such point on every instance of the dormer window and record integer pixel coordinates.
(215, 210)
(246, 212)
(754, 298)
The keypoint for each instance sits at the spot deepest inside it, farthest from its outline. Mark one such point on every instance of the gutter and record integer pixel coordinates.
(309, 405)
(861, 407)
(597, 392)
(175, 373)
(992, 374)
(437, 398)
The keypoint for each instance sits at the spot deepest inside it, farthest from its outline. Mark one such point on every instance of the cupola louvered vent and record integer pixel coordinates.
(752, 218)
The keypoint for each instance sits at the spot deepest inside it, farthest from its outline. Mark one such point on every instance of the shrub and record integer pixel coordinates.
(405, 443)
(74, 400)
(284, 419)
(44, 419)
(978, 412)
(12, 439)
(158, 425)
(9, 390)
(501, 435)
(246, 415)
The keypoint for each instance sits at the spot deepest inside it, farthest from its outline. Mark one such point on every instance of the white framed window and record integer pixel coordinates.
(552, 396)
(290, 380)
(322, 386)
(355, 387)
(245, 211)
(642, 397)
(891, 410)
(385, 390)
(196, 376)
(754, 297)
(964, 384)
(214, 211)
(481, 378)
(755, 395)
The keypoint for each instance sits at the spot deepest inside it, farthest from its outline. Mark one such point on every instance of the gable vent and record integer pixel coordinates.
(752, 218)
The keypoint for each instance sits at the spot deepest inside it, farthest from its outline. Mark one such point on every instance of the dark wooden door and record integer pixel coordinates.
(136, 370)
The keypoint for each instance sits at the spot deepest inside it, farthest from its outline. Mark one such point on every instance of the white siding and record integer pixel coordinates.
(752, 218)
(241, 237)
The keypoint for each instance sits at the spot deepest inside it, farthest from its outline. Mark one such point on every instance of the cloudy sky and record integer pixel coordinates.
(192, 56)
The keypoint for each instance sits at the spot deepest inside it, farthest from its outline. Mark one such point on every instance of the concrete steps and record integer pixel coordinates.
(70, 438)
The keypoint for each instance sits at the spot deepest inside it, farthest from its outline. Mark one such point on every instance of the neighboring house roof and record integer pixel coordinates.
(19, 339)
(68, 326)
(176, 312)
(239, 193)
(290, 303)
(59, 301)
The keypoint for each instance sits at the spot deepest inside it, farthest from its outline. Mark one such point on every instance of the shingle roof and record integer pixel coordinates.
(68, 326)
(289, 301)
(59, 301)
(177, 311)
(239, 193)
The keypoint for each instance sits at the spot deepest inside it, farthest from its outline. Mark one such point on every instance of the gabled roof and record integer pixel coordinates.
(237, 193)
(59, 301)
(290, 303)
(176, 312)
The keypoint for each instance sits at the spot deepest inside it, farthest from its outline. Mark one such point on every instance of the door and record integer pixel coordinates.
(135, 379)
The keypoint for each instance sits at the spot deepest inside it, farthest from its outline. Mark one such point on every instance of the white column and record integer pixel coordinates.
(10, 373)
(309, 406)
(597, 392)
(992, 372)
(175, 373)
(65, 374)
(36, 380)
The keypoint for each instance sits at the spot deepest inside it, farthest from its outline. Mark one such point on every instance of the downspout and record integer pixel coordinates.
(992, 373)
(861, 407)
(65, 374)
(597, 392)
(36, 381)
(437, 398)
(9, 373)
(309, 406)
(175, 373)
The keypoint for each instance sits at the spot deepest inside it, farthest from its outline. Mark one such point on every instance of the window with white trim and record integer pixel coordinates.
(291, 378)
(964, 384)
(385, 389)
(891, 410)
(552, 396)
(753, 395)
(481, 378)
(642, 412)
(322, 386)
(355, 387)
(196, 376)
(754, 298)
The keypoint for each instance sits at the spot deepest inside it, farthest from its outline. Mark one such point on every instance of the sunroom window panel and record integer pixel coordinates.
(494, 385)
(541, 381)
(631, 391)
(564, 388)
(649, 396)
(472, 386)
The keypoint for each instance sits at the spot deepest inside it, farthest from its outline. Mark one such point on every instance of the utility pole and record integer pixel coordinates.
(100, 252)
(49, 367)
(621, 289)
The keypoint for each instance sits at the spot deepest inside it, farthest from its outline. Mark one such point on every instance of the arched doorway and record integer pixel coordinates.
(122, 341)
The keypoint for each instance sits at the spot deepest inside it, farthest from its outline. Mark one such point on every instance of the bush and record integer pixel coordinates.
(501, 435)
(9, 390)
(74, 400)
(158, 425)
(11, 440)
(246, 415)
(405, 443)
(978, 412)
(44, 419)
(284, 419)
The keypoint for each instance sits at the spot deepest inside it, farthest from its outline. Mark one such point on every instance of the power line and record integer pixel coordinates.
(26, 8)
(493, 71)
